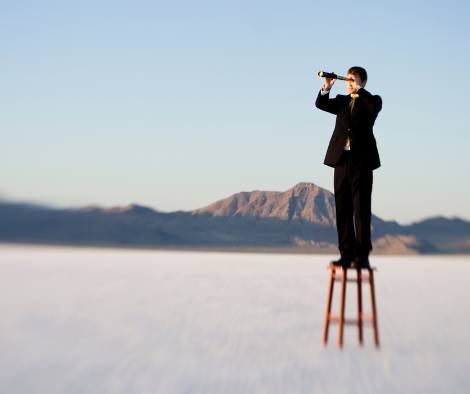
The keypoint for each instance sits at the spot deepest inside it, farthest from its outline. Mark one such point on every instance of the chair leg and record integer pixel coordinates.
(374, 310)
(359, 305)
(328, 306)
(343, 301)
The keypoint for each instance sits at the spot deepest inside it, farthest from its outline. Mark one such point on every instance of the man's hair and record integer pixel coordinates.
(358, 71)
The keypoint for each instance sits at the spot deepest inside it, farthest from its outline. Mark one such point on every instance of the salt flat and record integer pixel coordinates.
(83, 320)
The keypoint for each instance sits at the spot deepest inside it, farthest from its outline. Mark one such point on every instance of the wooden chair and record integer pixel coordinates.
(343, 278)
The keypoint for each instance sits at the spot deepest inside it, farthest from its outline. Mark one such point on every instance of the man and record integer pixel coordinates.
(353, 154)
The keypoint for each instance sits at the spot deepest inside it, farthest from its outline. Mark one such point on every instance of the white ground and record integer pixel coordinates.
(119, 321)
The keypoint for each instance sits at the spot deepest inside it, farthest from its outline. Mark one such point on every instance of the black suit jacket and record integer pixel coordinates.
(357, 125)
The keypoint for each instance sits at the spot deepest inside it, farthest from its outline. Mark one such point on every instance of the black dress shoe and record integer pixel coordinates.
(342, 262)
(360, 263)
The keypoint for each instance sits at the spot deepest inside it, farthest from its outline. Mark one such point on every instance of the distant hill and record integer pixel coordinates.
(301, 219)
(447, 235)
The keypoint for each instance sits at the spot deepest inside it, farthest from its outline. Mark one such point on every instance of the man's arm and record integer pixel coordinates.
(373, 103)
(324, 103)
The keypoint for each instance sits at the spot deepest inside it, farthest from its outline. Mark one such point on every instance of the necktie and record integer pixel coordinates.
(354, 97)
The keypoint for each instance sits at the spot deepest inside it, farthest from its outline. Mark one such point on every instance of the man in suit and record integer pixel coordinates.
(353, 154)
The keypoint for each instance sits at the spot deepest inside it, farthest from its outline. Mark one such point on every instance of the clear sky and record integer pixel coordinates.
(177, 104)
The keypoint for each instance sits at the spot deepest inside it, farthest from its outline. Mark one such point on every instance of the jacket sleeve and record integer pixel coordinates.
(373, 103)
(326, 104)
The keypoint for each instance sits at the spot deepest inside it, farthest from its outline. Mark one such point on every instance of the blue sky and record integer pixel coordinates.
(177, 104)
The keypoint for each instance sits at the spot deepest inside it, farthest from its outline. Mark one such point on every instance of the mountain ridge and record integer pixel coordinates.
(301, 218)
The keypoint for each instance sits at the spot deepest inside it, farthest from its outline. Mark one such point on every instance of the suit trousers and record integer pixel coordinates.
(353, 197)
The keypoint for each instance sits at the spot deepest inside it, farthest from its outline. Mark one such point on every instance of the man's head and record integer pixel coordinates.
(357, 76)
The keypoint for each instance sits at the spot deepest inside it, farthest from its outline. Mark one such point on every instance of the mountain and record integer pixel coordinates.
(299, 219)
(447, 235)
(305, 202)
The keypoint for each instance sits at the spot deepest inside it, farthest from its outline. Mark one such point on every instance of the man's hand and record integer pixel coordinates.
(356, 85)
(329, 82)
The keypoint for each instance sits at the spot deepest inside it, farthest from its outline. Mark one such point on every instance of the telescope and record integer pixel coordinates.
(324, 74)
